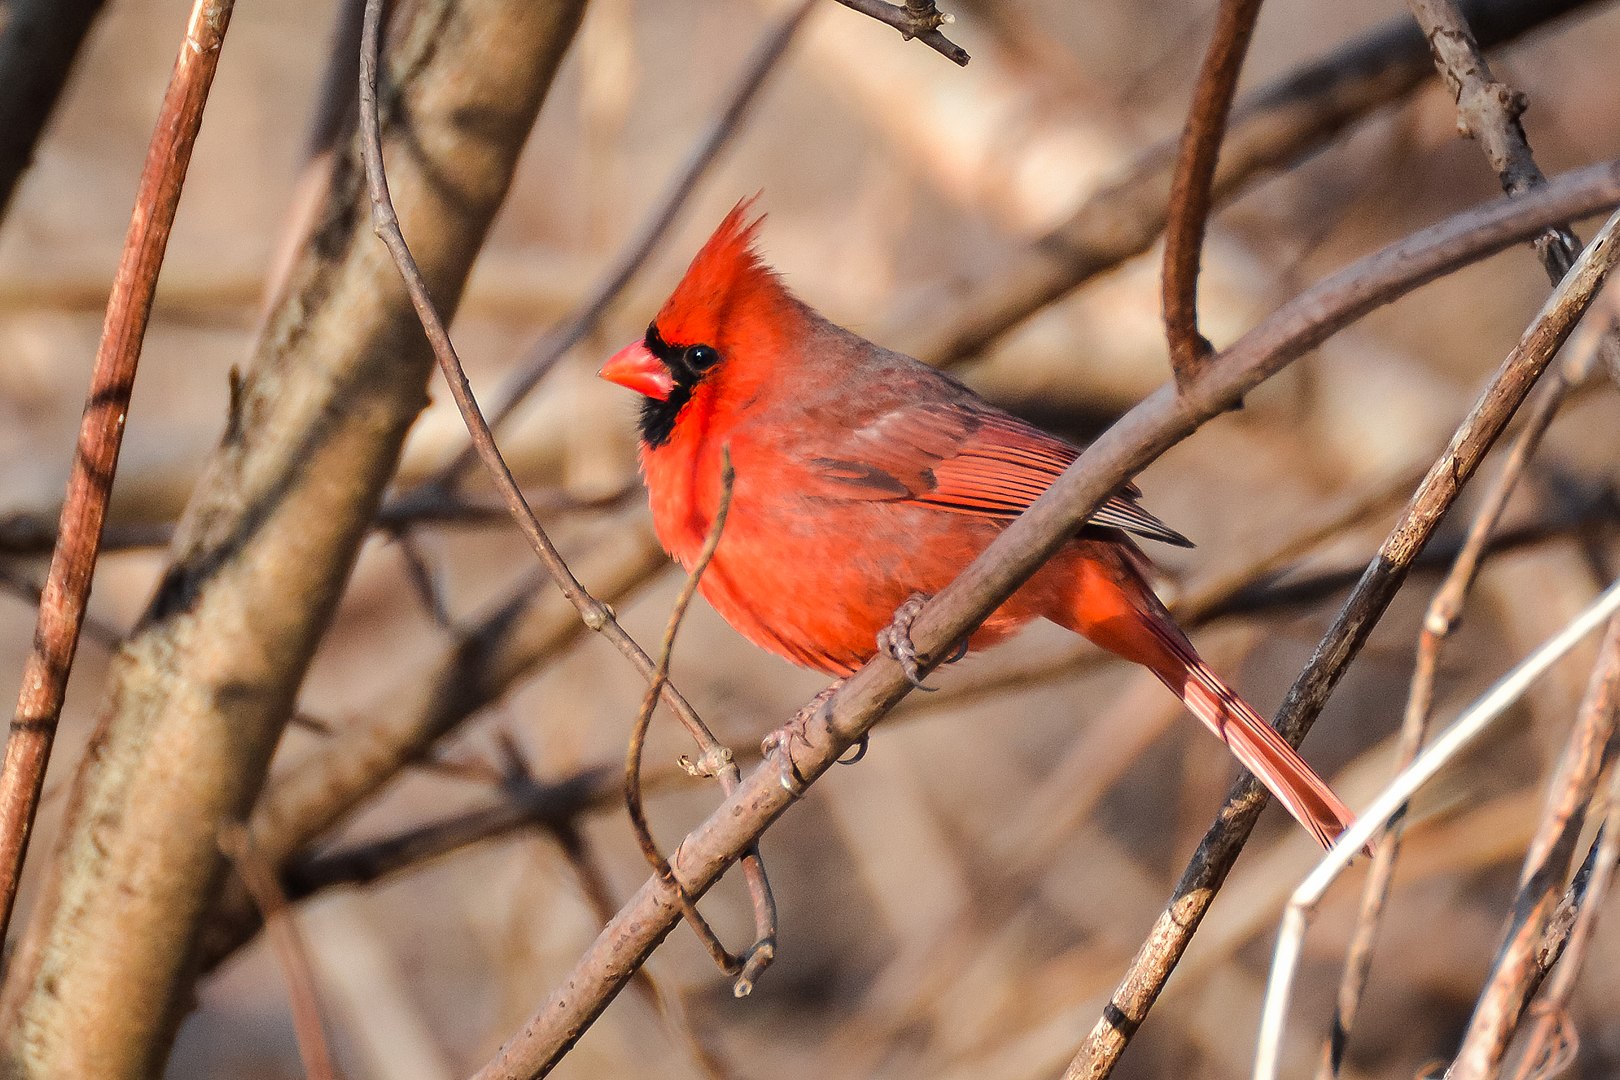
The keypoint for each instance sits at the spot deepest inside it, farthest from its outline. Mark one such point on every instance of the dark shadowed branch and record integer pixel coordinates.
(39, 42)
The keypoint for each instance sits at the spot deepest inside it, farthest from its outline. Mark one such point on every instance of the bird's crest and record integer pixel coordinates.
(727, 285)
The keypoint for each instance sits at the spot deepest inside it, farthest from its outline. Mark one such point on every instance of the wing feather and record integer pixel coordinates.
(964, 460)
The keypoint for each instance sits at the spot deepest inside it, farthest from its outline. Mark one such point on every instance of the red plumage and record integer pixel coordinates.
(864, 476)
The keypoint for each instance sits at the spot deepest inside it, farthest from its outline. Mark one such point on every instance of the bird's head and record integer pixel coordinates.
(725, 321)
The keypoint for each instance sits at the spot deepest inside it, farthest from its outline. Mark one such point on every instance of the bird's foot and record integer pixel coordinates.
(796, 730)
(894, 641)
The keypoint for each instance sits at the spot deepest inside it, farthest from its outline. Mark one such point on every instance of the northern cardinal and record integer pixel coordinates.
(864, 478)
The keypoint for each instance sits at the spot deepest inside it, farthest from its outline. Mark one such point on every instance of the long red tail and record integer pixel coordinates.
(1261, 749)
(1138, 628)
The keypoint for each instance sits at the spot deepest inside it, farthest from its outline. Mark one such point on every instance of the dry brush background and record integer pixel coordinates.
(962, 902)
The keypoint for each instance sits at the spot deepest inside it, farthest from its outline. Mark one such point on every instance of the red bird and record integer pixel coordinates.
(864, 477)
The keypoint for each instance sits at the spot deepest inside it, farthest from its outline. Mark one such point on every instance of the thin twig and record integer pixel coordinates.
(716, 760)
(1473, 722)
(1549, 1045)
(313, 1049)
(638, 739)
(1495, 407)
(1546, 868)
(1160, 421)
(1489, 111)
(101, 433)
(1445, 609)
(918, 19)
(728, 120)
(1280, 123)
(1192, 189)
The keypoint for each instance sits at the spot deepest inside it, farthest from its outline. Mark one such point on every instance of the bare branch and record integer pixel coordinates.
(1489, 111)
(1151, 967)
(1191, 194)
(1270, 128)
(1473, 722)
(101, 434)
(1550, 1041)
(1546, 867)
(918, 19)
(200, 692)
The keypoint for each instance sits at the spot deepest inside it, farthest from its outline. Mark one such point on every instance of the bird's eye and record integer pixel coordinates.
(702, 357)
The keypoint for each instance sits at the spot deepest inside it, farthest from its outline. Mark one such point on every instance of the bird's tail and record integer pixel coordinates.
(1261, 749)
(1138, 629)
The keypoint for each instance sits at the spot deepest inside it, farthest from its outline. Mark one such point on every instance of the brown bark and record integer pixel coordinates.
(200, 692)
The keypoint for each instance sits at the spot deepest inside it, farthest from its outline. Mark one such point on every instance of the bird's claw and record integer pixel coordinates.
(894, 641)
(796, 729)
(857, 751)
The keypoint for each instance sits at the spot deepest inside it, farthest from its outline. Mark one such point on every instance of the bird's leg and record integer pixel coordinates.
(894, 641)
(795, 730)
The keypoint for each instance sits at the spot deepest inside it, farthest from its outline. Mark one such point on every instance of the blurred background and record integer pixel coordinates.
(961, 903)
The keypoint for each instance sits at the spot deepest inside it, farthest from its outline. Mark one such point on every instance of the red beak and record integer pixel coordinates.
(634, 366)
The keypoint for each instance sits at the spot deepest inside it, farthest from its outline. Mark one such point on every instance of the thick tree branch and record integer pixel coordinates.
(200, 692)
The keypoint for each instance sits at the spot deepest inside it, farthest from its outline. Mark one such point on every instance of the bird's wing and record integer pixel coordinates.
(963, 460)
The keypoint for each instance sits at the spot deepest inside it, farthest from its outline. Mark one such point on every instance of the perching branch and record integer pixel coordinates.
(101, 434)
(1191, 189)
(1160, 421)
